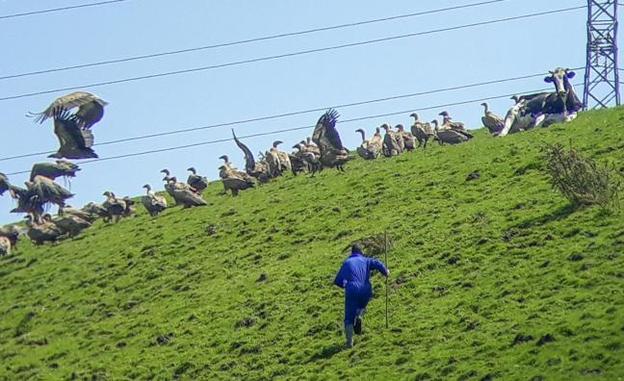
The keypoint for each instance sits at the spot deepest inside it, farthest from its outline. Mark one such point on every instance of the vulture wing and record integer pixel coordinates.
(47, 190)
(53, 170)
(250, 163)
(325, 133)
(67, 102)
(75, 143)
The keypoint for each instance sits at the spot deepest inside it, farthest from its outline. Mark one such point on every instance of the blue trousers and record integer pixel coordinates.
(357, 297)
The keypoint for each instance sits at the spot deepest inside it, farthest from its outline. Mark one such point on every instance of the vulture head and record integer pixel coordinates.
(435, 124)
(225, 158)
(400, 127)
(108, 194)
(386, 127)
(276, 143)
(377, 131)
(414, 115)
(192, 170)
(147, 187)
(445, 114)
(165, 171)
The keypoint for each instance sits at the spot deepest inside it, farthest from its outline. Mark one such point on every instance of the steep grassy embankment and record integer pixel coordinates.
(492, 279)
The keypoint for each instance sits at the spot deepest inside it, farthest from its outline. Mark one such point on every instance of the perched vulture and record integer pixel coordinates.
(448, 123)
(326, 137)
(83, 214)
(46, 231)
(199, 183)
(10, 233)
(182, 193)
(390, 144)
(422, 131)
(75, 143)
(491, 121)
(5, 246)
(405, 138)
(70, 224)
(450, 135)
(153, 203)
(129, 210)
(53, 170)
(304, 160)
(115, 207)
(367, 150)
(90, 109)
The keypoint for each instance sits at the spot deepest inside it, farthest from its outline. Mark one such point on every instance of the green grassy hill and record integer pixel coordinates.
(492, 279)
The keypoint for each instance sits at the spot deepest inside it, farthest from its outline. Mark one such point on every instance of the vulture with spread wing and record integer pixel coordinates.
(61, 168)
(75, 143)
(90, 109)
(258, 170)
(326, 137)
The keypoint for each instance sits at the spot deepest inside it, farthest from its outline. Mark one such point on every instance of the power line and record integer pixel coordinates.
(294, 113)
(367, 117)
(292, 54)
(250, 40)
(31, 13)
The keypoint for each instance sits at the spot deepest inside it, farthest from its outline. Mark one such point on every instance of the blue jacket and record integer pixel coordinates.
(356, 271)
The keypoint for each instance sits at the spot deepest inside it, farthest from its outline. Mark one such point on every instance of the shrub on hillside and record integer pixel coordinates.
(581, 179)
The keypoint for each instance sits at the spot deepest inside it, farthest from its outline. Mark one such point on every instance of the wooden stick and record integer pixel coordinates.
(386, 260)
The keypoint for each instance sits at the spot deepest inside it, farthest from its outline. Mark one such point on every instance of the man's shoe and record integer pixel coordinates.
(357, 328)
(349, 335)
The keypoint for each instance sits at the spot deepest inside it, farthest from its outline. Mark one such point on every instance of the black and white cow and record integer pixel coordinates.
(544, 109)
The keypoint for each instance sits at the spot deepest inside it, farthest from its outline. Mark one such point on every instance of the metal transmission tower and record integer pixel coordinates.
(601, 71)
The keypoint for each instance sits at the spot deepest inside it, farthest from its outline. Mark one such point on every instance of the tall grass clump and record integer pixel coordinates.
(580, 179)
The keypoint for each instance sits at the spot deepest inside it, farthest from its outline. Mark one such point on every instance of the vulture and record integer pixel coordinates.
(90, 109)
(60, 168)
(38, 193)
(449, 135)
(284, 159)
(304, 160)
(5, 246)
(258, 170)
(83, 214)
(129, 210)
(368, 149)
(152, 202)
(46, 231)
(406, 138)
(11, 235)
(390, 145)
(115, 207)
(182, 193)
(4, 183)
(75, 143)
(326, 137)
(448, 123)
(95, 211)
(491, 121)
(311, 146)
(198, 183)
(422, 131)
(70, 224)
(272, 159)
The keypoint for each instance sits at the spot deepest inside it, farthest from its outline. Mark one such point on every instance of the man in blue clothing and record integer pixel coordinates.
(354, 277)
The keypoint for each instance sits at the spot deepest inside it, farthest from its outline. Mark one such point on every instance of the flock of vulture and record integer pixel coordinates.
(323, 149)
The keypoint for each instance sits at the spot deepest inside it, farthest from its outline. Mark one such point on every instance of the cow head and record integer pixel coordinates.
(557, 76)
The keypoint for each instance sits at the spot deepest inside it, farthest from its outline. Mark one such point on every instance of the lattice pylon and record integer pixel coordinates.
(602, 77)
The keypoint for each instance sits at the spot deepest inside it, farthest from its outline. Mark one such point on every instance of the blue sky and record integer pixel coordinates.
(137, 27)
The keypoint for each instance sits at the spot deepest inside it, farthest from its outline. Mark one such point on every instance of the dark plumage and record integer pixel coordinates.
(199, 183)
(326, 137)
(4, 183)
(53, 170)
(75, 143)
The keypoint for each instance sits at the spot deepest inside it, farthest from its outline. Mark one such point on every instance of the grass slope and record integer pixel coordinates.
(495, 278)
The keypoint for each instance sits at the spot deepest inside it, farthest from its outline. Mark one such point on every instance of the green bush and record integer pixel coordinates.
(581, 180)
